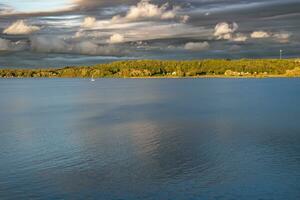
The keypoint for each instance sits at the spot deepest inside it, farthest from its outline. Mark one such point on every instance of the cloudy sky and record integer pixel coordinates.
(42, 33)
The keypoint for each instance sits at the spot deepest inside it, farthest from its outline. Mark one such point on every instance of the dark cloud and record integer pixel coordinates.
(182, 29)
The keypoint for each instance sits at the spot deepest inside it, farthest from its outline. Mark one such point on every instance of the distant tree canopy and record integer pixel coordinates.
(167, 68)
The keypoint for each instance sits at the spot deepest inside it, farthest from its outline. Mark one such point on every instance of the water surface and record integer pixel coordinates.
(150, 139)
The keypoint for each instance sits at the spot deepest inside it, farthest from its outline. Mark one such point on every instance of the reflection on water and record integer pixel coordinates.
(150, 139)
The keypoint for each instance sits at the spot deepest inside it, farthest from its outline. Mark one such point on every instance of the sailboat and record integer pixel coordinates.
(92, 79)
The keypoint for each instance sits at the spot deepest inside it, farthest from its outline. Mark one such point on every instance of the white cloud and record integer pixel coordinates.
(260, 34)
(196, 46)
(141, 22)
(116, 38)
(225, 30)
(239, 37)
(145, 9)
(20, 27)
(283, 37)
(142, 30)
(89, 22)
(184, 18)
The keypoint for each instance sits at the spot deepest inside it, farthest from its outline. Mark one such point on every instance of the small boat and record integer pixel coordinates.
(92, 79)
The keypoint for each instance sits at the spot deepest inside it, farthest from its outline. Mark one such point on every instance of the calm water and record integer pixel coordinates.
(150, 139)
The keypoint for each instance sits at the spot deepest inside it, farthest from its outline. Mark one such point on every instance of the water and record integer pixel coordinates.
(150, 139)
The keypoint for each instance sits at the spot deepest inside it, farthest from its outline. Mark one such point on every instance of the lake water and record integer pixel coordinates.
(150, 139)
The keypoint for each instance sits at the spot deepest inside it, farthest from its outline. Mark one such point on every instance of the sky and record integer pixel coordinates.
(42, 33)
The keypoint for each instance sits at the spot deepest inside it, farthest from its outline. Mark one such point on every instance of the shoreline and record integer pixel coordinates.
(167, 77)
(211, 68)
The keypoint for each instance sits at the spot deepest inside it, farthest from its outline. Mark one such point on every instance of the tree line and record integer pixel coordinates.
(166, 68)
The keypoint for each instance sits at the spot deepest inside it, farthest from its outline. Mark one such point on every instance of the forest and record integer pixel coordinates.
(167, 68)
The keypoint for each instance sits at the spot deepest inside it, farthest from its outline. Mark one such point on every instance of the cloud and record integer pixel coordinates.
(7, 45)
(151, 31)
(225, 30)
(49, 44)
(89, 25)
(196, 46)
(116, 38)
(144, 9)
(239, 37)
(283, 37)
(36, 7)
(5, 9)
(90, 48)
(53, 44)
(184, 18)
(4, 44)
(141, 31)
(82, 34)
(142, 21)
(89, 22)
(260, 34)
(20, 28)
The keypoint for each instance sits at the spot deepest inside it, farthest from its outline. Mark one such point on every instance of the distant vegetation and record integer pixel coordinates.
(158, 68)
